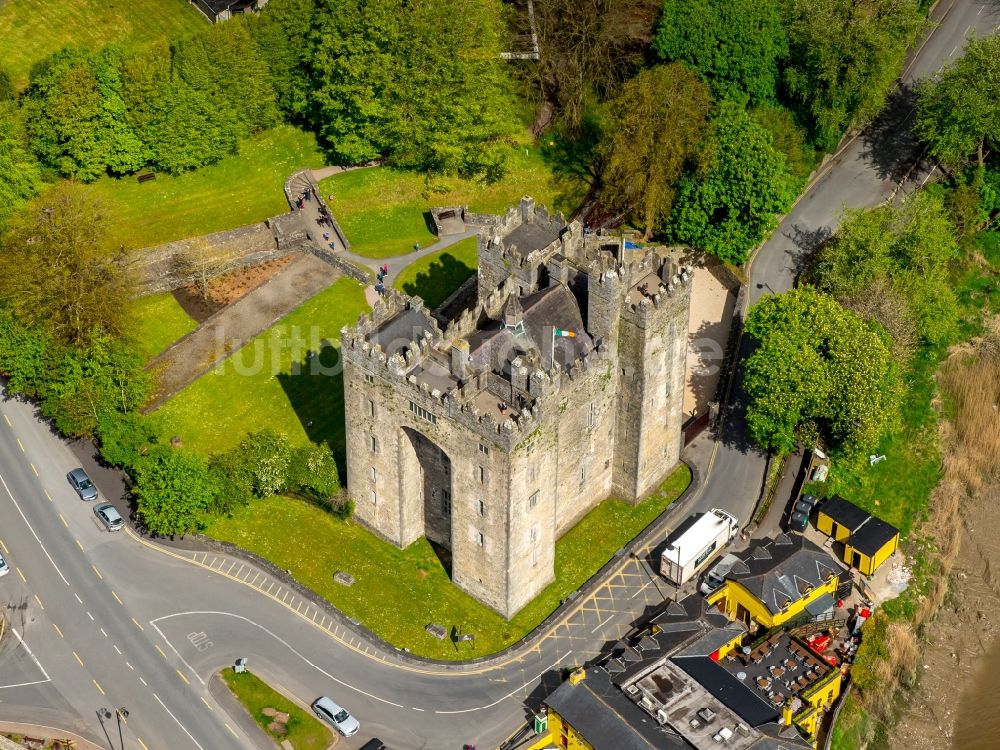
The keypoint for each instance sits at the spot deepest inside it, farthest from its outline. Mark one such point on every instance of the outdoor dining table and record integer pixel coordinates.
(777, 671)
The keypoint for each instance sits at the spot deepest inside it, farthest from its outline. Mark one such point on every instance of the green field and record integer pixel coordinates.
(385, 211)
(241, 189)
(304, 730)
(161, 321)
(217, 410)
(31, 29)
(437, 275)
(397, 592)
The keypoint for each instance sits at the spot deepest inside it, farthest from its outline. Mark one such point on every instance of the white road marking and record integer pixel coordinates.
(130, 667)
(90, 616)
(118, 650)
(642, 588)
(34, 659)
(153, 623)
(512, 692)
(190, 736)
(602, 623)
(78, 599)
(103, 633)
(255, 577)
(25, 519)
(284, 643)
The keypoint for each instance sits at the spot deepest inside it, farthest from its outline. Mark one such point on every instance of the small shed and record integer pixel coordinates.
(868, 540)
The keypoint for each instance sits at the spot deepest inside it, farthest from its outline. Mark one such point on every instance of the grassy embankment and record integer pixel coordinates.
(303, 730)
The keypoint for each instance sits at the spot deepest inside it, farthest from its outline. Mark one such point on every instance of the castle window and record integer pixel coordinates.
(480, 539)
(583, 474)
(372, 497)
(423, 413)
(533, 534)
(481, 474)
(371, 473)
(446, 502)
(371, 408)
(369, 378)
(535, 554)
(484, 449)
(373, 444)
(533, 500)
(532, 472)
(592, 419)
(482, 508)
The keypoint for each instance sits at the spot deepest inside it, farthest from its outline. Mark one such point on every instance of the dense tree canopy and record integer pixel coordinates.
(661, 119)
(736, 45)
(958, 114)
(282, 32)
(174, 488)
(420, 82)
(818, 369)
(59, 271)
(20, 177)
(901, 252)
(733, 199)
(843, 57)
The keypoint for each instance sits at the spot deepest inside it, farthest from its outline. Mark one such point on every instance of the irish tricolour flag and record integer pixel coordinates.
(560, 333)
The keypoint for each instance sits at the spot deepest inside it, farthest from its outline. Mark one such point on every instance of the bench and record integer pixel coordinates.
(146, 177)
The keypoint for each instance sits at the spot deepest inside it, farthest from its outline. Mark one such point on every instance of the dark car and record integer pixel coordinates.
(373, 745)
(81, 483)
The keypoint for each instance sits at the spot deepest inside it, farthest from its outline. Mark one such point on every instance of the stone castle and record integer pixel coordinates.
(493, 433)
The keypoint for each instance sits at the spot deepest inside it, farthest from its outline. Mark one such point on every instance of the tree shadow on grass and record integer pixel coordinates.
(315, 390)
(442, 277)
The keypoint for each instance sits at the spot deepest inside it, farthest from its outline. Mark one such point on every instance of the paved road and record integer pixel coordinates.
(110, 621)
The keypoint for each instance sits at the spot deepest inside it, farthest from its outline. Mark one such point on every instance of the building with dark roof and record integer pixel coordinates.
(221, 10)
(778, 579)
(494, 431)
(867, 540)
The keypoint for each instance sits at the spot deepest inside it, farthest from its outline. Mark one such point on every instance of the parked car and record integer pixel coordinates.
(338, 717)
(373, 745)
(717, 575)
(81, 483)
(4, 568)
(108, 515)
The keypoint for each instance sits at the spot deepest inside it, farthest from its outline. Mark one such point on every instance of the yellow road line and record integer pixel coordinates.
(78, 544)
(98, 686)
(58, 630)
(137, 624)
(33, 468)
(181, 675)
(20, 574)
(157, 647)
(20, 445)
(4, 547)
(231, 731)
(98, 572)
(141, 743)
(48, 495)
(39, 602)
(63, 520)
(207, 705)
(9, 423)
(77, 657)
(117, 599)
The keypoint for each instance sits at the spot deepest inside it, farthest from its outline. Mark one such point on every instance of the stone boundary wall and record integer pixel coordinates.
(657, 527)
(341, 264)
(158, 268)
(463, 298)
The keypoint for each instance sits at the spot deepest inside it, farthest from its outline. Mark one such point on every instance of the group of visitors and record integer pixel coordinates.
(383, 271)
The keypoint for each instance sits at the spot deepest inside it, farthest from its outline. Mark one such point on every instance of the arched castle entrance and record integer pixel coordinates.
(425, 479)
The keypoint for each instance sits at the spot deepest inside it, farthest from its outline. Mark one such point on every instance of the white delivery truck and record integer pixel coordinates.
(693, 549)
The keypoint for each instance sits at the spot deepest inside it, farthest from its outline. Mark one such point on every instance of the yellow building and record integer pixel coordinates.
(776, 580)
(867, 540)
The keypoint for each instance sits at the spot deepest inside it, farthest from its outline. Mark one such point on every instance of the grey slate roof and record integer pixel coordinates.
(780, 572)
(401, 329)
(529, 237)
(728, 690)
(607, 719)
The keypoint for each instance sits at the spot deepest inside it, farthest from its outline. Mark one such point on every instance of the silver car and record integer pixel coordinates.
(108, 515)
(4, 568)
(81, 483)
(717, 575)
(333, 714)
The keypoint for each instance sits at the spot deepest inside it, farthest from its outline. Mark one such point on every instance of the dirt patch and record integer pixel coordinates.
(227, 288)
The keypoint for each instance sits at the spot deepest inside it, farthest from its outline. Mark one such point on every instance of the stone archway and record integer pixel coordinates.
(425, 477)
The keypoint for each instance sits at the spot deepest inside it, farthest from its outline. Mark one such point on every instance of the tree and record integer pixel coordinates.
(587, 49)
(7, 90)
(958, 114)
(282, 33)
(905, 249)
(843, 57)
(20, 177)
(313, 469)
(662, 119)
(728, 204)
(59, 271)
(817, 365)
(420, 82)
(173, 489)
(735, 45)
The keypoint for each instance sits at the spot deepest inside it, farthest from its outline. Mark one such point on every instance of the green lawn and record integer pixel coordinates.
(161, 321)
(241, 189)
(304, 730)
(437, 275)
(397, 592)
(31, 29)
(385, 211)
(284, 392)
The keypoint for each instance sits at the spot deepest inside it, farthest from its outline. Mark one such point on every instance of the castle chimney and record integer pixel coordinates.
(519, 374)
(528, 210)
(667, 271)
(459, 358)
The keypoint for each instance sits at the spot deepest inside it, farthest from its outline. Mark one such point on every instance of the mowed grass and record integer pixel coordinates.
(436, 276)
(160, 321)
(304, 730)
(241, 189)
(385, 211)
(273, 382)
(32, 29)
(398, 592)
